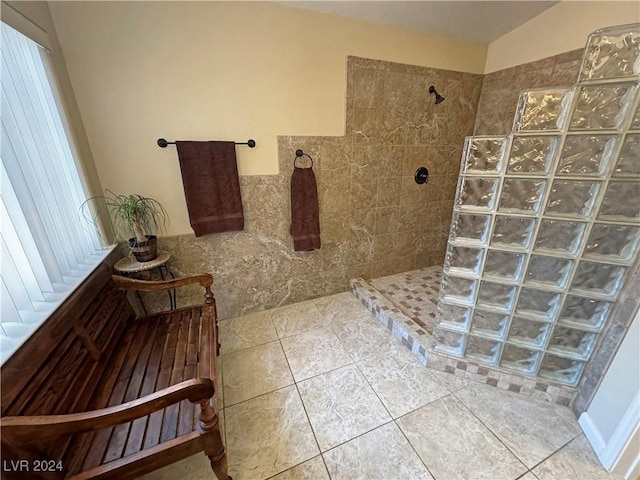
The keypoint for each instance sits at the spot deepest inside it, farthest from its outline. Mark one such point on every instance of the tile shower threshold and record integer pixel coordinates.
(412, 336)
(398, 320)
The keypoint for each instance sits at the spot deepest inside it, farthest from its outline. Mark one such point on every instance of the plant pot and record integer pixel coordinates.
(144, 251)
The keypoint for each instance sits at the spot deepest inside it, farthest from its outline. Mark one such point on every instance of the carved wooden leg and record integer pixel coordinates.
(212, 440)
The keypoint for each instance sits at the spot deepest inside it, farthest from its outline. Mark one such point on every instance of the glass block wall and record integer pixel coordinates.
(546, 221)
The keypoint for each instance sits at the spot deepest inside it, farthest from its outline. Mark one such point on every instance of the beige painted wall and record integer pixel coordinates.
(218, 70)
(561, 28)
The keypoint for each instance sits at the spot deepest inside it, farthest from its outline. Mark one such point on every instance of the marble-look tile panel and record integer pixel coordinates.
(254, 371)
(531, 430)
(314, 352)
(364, 337)
(381, 454)
(341, 405)
(195, 467)
(313, 469)
(453, 444)
(528, 476)
(401, 382)
(341, 308)
(574, 461)
(296, 318)
(246, 331)
(268, 434)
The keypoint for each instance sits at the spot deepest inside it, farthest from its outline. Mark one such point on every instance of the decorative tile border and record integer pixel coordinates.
(418, 341)
(534, 388)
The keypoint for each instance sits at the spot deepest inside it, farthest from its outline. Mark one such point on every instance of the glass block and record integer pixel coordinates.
(449, 342)
(571, 198)
(561, 369)
(453, 316)
(489, 324)
(483, 349)
(477, 193)
(572, 342)
(585, 312)
(470, 227)
(602, 106)
(559, 236)
(520, 359)
(621, 202)
(598, 278)
(484, 155)
(521, 196)
(463, 260)
(512, 232)
(542, 109)
(504, 265)
(458, 290)
(628, 164)
(496, 296)
(611, 52)
(538, 304)
(528, 333)
(612, 242)
(548, 271)
(635, 123)
(586, 154)
(532, 155)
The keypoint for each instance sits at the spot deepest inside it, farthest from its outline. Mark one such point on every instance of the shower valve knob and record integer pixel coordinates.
(421, 176)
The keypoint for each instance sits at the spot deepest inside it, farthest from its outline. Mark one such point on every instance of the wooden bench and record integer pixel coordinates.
(98, 393)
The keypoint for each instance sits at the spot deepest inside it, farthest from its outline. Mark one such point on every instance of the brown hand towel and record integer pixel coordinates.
(211, 186)
(305, 222)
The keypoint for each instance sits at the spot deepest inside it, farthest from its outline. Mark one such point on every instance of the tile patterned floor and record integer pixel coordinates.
(320, 390)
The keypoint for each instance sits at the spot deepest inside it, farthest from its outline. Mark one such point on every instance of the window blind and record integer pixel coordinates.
(46, 246)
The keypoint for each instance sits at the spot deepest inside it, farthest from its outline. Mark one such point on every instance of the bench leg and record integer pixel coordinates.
(212, 440)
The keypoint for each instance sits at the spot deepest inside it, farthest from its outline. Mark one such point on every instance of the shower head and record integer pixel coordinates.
(439, 98)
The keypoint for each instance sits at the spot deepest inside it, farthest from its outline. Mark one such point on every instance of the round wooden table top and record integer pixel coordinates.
(129, 264)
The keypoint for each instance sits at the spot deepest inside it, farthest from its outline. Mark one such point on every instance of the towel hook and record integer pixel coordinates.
(300, 154)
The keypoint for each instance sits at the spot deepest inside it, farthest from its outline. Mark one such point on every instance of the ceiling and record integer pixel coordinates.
(476, 21)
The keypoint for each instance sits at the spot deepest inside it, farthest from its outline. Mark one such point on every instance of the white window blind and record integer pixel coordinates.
(47, 248)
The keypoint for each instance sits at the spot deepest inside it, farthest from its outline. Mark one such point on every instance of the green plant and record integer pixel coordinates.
(132, 216)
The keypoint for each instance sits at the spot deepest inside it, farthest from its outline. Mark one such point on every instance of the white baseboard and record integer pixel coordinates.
(592, 433)
(622, 452)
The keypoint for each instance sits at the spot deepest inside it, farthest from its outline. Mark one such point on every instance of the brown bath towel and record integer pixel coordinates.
(305, 221)
(211, 186)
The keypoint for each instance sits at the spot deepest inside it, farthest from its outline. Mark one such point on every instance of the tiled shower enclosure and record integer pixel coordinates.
(546, 221)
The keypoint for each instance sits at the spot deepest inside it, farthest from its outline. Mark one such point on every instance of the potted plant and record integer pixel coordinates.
(134, 218)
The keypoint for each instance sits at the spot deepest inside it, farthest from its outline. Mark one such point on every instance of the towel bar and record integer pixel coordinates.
(162, 143)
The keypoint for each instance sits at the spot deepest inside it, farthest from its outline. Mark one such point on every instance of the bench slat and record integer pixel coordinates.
(170, 420)
(154, 424)
(143, 344)
(116, 396)
(139, 426)
(80, 445)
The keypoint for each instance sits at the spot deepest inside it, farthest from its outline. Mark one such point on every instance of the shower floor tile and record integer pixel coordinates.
(316, 427)
(415, 293)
